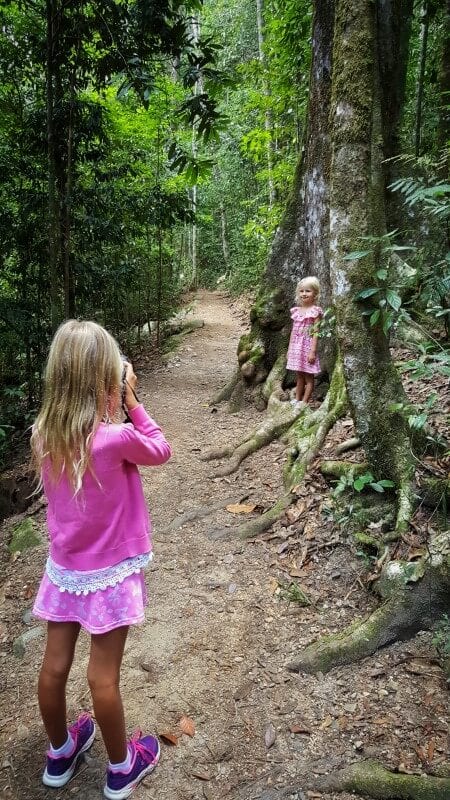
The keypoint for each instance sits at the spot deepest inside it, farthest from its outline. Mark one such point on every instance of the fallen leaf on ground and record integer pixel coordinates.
(169, 738)
(202, 776)
(187, 726)
(241, 508)
(270, 736)
(299, 729)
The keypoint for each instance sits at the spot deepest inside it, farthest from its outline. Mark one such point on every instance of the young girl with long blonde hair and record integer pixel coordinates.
(100, 542)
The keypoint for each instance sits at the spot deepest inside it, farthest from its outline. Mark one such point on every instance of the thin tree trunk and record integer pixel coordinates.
(69, 288)
(267, 115)
(444, 105)
(421, 76)
(223, 229)
(53, 213)
(194, 194)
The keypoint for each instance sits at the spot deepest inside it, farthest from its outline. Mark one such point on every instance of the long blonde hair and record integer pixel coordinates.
(84, 370)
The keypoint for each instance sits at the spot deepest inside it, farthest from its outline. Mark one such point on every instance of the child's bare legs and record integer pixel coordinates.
(104, 679)
(300, 386)
(60, 648)
(309, 386)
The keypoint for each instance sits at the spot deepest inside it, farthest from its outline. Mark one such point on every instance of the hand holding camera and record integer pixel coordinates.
(129, 383)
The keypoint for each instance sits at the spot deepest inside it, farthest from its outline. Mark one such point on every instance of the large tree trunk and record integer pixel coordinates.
(357, 209)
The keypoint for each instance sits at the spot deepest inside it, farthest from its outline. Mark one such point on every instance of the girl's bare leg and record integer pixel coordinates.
(309, 386)
(104, 679)
(60, 648)
(300, 386)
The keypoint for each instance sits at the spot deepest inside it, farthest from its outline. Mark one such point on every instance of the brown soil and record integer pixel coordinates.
(219, 631)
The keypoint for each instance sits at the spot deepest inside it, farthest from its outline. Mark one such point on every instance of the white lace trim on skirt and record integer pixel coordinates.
(83, 583)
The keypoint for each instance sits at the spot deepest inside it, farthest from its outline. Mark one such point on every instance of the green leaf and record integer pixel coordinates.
(357, 254)
(367, 293)
(393, 299)
(374, 317)
(381, 274)
(362, 481)
(394, 407)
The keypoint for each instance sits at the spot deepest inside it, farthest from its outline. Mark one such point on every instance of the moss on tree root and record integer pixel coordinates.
(280, 417)
(306, 436)
(262, 523)
(371, 779)
(412, 606)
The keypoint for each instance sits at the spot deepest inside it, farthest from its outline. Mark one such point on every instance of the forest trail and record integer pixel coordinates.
(217, 635)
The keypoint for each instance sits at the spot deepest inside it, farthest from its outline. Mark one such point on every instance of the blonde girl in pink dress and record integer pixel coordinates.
(100, 541)
(302, 352)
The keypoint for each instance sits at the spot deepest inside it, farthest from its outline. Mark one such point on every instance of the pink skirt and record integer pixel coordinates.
(98, 612)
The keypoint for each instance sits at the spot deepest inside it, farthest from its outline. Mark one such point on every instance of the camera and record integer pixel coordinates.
(123, 383)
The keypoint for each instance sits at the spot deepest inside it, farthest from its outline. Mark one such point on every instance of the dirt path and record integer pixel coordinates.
(217, 637)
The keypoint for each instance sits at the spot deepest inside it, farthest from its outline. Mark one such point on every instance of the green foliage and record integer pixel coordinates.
(432, 197)
(382, 300)
(92, 211)
(360, 482)
(417, 417)
(441, 637)
(241, 204)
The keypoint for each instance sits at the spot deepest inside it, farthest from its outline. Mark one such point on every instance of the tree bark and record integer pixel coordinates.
(357, 209)
(267, 114)
(444, 107)
(421, 76)
(53, 211)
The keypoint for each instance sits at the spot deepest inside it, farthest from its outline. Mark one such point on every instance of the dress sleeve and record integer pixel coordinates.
(295, 313)
(143, 441)
(314, 313)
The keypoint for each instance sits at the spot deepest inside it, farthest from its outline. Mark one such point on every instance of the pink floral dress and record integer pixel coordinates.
(301, 340)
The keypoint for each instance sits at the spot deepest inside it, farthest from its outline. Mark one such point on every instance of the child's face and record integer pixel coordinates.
(306, 295)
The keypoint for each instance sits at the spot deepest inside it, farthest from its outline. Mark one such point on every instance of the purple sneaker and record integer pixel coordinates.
(144, 758)
(59, 770)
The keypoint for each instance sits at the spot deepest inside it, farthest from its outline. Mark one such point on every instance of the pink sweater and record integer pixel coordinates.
(108, 520)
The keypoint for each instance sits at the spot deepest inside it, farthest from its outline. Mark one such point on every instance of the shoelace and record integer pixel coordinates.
(79, 724)
(140, 747)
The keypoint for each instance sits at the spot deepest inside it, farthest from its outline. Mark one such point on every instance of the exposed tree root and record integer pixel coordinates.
(274, 380)
(196, 513)
(227, 391)
(349, 444)
(416, 595)
(280, 418)
(371, 779)
(307, 435)
(337, 469)
(257, 525)
(236, 400)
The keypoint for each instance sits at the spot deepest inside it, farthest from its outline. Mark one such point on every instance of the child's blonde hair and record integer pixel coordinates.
(83, 371)
(311, 282)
